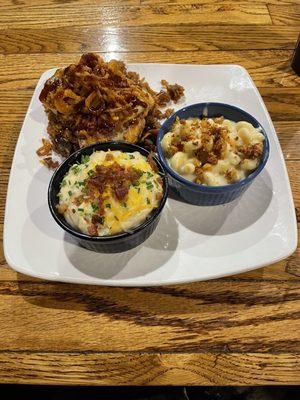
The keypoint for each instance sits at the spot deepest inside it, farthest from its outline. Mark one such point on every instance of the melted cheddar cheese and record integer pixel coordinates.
(112, 214)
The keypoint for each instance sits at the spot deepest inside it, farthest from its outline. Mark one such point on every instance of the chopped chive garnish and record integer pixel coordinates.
(108, 205)
(62, 183)
(75, 169)
(149, 175)
(70, 193)
(138, 190)
(131, 156)
(95, 207)
(124, 205)
(85, 159)
(148, 201)
(149, 185)
(90, 173)
(80, 209)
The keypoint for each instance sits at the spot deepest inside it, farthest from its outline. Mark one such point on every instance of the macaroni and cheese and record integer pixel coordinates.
(110, 192)
(213, 151)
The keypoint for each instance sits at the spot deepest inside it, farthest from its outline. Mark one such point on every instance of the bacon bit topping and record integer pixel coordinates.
(219, 120)
(152, 162)
(171, 151)
(62, 208)
(231, 175)
(109, 157)
(199, 174)
(78, 200)
(206, 157)
(159, 181)
(159, 196)
(51, 164)
(116, 176)
(175, 92)
(97, 219)
(45, 149)
(92, 230)
(167, 113)
(252, 151)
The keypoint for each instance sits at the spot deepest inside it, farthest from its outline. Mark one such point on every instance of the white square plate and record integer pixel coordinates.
(191, 243)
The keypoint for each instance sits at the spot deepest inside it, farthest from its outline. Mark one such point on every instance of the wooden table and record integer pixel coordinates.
(241, 330)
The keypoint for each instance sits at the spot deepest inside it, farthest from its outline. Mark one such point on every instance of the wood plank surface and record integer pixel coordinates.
(219, 2)
(152, 319)
(149, 369)
(22, 3)
(285, 14)
(72, 39)
(239, 330)
(57, 15)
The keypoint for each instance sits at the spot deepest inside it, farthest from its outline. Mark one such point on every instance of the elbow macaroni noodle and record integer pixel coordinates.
(241, 146)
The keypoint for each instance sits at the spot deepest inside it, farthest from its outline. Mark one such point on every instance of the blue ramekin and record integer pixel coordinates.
(114, 243)
(194, 193)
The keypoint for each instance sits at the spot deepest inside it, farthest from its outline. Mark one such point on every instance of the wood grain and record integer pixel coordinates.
(254, 316)
(51, 16)
(289, 137)
(282, 103)
(240, 330)
(22, 3)
(170, 2)
(285, 14)
(149, 369)
(147, 39)
(293, 171)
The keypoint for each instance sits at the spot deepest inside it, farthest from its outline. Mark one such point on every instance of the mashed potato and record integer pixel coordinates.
(213, 152)
(109, 192)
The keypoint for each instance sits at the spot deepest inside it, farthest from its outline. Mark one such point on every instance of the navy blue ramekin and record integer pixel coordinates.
(197, 194)
(114, 243)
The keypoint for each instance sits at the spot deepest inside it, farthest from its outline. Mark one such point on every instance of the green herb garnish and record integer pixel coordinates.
(149, 185)
(124, 205)
(70, 193)
(80, 209)
(108, 205)
(95, 207)
(149, 175)
(85, 159)
(78, 184)
(148, 201)
(131, 156)
(90, 172)
(62, 183)
(75, 169)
